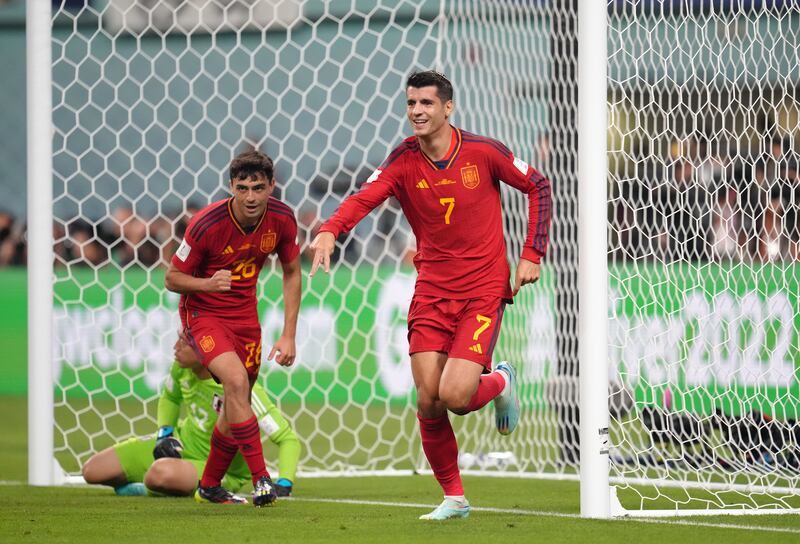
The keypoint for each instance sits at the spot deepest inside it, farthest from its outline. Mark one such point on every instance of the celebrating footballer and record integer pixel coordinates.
(215, 270)
(447, 181)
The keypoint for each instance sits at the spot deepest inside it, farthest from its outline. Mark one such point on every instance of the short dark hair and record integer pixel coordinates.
(432, 78)
(250, 164)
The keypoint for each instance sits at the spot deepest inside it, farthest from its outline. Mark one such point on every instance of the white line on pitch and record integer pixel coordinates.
(527, 513)
(553, 514)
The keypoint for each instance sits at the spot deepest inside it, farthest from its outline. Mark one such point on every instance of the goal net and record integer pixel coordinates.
(703, 236)
(152, 99)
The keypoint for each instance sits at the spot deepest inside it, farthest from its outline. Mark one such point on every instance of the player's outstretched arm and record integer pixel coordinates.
(184, 284)
(379, 187)
(323, 246)
(285, 349)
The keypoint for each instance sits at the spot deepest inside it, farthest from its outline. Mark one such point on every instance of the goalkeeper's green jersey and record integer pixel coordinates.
(203, 401)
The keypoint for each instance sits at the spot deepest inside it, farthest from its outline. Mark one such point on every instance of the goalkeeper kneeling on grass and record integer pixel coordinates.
(171, 462)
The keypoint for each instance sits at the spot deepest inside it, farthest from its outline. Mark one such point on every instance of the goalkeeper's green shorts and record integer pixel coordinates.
(136, 455)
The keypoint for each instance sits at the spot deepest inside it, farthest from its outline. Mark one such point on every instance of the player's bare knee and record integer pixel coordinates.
(456, 404)
(157, 476)
(171, 477)
(237, 388)
(164, 476)
(90, 475)
(454, 400)
(430, 407)
(428, 403)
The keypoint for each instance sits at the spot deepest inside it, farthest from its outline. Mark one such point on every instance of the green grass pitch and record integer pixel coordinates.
(348, 510)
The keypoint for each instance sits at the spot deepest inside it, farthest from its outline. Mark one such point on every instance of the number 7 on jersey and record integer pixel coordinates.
(450, 202)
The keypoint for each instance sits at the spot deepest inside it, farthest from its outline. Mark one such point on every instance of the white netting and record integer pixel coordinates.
(704, 195)
(513, 66)
(153, 99)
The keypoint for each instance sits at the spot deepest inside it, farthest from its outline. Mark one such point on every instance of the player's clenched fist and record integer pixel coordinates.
(220, 281)
(527, 272)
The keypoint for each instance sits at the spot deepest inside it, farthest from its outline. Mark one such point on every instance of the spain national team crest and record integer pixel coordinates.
(207, 344)
(470, 177)
(268, 242)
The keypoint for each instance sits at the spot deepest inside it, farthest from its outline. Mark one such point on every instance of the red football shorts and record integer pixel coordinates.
(464, 329)
(213, 336)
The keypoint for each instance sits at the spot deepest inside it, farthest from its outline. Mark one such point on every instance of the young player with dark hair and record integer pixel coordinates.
(216, 269)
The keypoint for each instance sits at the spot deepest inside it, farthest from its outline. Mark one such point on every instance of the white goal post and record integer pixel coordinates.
(669, 130)
(41, 461)
(593, 267)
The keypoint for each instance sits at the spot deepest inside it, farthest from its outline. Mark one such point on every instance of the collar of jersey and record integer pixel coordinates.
(236, 222)
(448, 160)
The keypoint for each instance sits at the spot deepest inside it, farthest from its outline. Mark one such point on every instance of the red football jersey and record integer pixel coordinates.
(453, 207)
(214, 240)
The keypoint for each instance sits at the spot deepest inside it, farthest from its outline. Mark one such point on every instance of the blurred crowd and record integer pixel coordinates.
(123, 238)
(705, 201)
(699, 201)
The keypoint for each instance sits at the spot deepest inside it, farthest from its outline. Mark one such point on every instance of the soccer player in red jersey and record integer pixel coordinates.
(447, 182)
(215, 270)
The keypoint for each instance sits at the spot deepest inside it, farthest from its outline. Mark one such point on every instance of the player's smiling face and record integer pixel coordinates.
(250, 198)
(426, 112)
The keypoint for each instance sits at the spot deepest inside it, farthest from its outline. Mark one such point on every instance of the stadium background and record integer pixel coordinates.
(341, 168)
(90, 184)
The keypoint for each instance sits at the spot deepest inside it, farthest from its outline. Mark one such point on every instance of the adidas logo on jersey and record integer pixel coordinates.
(227, 251)
(476, 348)
(423, 184)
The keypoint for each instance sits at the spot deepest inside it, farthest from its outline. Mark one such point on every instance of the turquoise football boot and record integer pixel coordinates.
(449, 509)
(506, 404)
(131, 489)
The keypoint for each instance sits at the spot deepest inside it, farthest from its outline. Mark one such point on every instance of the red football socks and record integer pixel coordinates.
(489, 386)
(248, 436)
(441, 449)
(223, 450)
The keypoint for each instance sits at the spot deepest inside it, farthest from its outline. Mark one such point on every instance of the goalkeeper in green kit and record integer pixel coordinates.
(171, 462)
